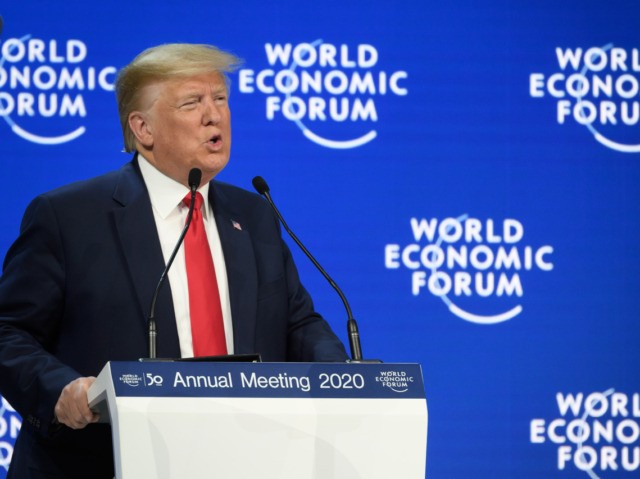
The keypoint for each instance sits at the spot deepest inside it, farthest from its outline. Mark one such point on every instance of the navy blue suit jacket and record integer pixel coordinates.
(76, 290)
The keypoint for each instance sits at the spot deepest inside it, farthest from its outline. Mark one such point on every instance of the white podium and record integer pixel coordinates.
(195, 420)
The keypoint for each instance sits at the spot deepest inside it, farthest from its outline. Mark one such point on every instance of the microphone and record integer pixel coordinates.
(1, 24)
(352, 327)
(195, 175)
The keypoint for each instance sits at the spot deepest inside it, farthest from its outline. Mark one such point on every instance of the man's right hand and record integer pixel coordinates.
(72, 408)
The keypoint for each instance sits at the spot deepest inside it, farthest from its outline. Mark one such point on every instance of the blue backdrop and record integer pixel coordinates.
(467, 171)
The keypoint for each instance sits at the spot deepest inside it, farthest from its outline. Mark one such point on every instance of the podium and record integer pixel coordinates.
(264, 420)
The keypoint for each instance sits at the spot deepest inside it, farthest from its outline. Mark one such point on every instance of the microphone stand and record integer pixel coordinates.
(352, 326)
(195, 175)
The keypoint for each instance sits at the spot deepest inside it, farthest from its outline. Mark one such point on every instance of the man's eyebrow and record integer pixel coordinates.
(191, 93)
(218, 89)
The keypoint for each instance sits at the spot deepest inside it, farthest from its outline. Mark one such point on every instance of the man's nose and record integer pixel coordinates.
(211, 114)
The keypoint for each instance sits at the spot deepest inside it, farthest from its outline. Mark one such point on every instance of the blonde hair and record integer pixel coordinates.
(165, 62)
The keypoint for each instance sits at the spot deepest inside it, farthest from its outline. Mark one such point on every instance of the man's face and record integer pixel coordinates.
(189, 125)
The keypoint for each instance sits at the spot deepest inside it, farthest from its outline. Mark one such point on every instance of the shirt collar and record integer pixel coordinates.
(166, 193)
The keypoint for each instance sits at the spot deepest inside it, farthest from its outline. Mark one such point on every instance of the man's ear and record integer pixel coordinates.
(141, 129)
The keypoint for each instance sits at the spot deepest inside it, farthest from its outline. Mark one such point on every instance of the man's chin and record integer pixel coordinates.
(212, 167)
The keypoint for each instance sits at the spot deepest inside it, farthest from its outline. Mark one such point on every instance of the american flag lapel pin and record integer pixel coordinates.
(236, 225)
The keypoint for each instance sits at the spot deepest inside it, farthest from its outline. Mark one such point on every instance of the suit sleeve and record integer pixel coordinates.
(310, 338)
(31, 308)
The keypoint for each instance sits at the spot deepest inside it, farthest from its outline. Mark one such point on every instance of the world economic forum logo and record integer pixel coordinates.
(10, 424)
(43, 87)
(330, 92)
(593, 432)
(598, 88)
(397, 381)
(474, 266)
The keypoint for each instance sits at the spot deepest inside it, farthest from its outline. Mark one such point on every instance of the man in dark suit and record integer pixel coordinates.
(78, 282)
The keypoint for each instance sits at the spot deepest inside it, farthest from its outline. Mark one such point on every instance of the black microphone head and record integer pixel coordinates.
(260, 185)
(1, 24)
(195, 175)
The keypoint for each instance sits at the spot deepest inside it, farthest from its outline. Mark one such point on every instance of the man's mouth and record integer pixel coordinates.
(215, 139)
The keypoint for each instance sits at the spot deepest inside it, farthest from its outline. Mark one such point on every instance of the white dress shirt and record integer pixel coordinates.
(170, 215)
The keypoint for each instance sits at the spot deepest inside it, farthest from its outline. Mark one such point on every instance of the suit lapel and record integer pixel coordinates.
(240, 263)
(140, 244)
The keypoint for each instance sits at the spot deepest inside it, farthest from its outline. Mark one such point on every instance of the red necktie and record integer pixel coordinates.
(207, 328)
